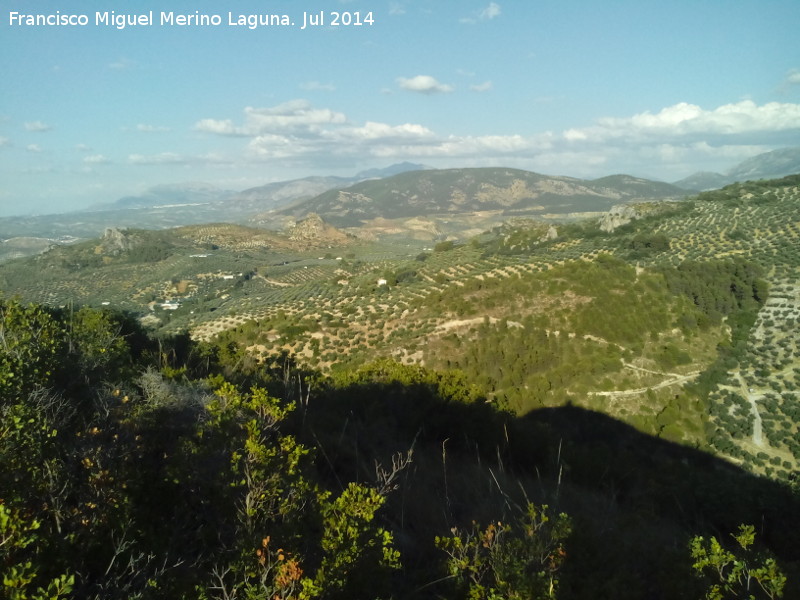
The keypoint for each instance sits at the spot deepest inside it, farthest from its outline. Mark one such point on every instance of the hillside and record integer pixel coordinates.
(633, 386)
(18, 247)
(493, 192)
(636, 188)
(180, 204)
(617, 308)
(144, 271)
(137, 467)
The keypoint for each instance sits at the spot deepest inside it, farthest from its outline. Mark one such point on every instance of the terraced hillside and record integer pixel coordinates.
(663, 320)
(454, 308)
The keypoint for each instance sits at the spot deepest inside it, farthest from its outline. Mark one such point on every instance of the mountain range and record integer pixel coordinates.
(317, 190)
(174, 194)
(253, 199)
(464, 201)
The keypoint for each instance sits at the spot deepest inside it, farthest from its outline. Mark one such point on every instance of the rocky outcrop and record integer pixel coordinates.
(116, 241)
(618, 216)
(313, 229)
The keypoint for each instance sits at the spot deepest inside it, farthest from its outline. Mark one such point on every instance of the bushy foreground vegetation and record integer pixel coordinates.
(138, 467)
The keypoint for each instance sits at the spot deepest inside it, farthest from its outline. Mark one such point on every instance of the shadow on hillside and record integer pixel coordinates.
(668, 479)
(650, 496)
(635, 500)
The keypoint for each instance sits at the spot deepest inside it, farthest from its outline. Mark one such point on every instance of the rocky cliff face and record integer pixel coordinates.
(313, 229)
(115, 241)
(618, 216)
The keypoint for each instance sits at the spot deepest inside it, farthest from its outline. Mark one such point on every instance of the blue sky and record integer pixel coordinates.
(92, 113)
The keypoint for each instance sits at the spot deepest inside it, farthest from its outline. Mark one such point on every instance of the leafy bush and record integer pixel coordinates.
(743, 574)
(517, 561)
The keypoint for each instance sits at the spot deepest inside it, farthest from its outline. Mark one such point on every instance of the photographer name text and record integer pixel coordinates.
(197, 19)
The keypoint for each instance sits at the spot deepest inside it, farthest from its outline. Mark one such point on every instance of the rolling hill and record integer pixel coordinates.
(495, 192)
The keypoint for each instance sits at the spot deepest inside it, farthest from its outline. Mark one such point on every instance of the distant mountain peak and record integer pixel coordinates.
(165, 194)
(768, 165)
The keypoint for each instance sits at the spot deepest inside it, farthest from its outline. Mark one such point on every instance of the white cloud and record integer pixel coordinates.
(573, 135)
(220, 127)
(676, 141)
(35, 148)
(423, 84)
(270, 146)
(371, 131)
(326, 137)
(486, 14)
(295, 115)
(370, 139)
(395, 8)
(151, 128)
(792, 79)
(164, 158)
(481, 87)
(487, 145)
(172, 158)
(685, 120)
(37, 126)
(491, 11)
(670, 143)
(96, 159)
(4, 141)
